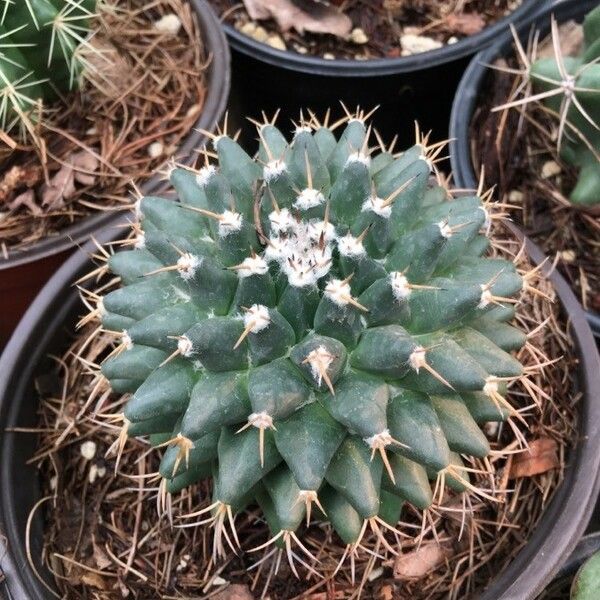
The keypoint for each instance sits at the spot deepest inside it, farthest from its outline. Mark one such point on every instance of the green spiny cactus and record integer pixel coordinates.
(587, 580)
(570, 87)
(38, 53)
(315, 326)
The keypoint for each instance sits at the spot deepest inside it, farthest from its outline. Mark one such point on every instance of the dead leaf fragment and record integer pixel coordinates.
(420, 561)
(94, 580)
(85, 165)
(542, 456)
(312, 16)
(79, 167)
(17, 178)
(465, 23)
(60, 188)
(26, 199)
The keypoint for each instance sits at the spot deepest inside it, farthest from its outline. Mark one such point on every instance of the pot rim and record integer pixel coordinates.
(465, 99)
(219, 82)
(316, 65)
(561, 524)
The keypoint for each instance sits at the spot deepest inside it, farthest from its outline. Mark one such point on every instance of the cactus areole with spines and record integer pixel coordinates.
(315, 328)
(39, 42)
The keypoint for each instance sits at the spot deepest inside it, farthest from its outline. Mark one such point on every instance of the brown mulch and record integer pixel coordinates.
(383, 22)
(106, 540)
(517, 150)
(128, 117)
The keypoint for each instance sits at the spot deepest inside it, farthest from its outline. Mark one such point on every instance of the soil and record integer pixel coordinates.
(517, 151)
(125, 121)
(378, 26)
(104, 538)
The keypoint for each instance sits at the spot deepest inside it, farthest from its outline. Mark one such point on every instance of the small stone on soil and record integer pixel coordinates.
(516, 197)
(415, 44)
(156, 149)
(358, 36)
(170, 24)
(88, 450)
(276, 41)
(550, 169)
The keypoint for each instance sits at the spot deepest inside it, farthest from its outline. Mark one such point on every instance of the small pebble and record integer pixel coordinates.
(219, 581)
(568, 256)
(247, 28)
(260, 34)
(88, 450)
(300, 49)
(375, 574)
(358, 36)
(93, 473)
(329, 56)
(170, 24)
(550, 169)
(516, 197)
(276, 41)
(415, 44)
(452, 40)
(155, 150)
(53, 482)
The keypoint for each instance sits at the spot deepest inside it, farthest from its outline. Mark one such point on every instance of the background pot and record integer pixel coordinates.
(417, 87)
(46, 327)
(25, 271)
(474, 78)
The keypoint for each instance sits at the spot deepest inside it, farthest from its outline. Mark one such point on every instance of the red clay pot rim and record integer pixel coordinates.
(219, 81)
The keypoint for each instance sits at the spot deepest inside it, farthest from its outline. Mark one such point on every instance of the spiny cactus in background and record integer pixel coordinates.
(570, 87)
(314, 328)
(39, 40)
(577, 101)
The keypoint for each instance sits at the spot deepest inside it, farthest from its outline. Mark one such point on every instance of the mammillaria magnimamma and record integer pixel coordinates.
(314, 328)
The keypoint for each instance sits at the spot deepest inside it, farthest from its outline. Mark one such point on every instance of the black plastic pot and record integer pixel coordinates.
(24, 272)
(48, 323)
(418, 87)
(473, 80)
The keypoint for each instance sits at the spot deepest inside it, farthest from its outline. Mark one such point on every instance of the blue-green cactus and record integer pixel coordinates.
(575, 83)
(314, 326)
(39, 40)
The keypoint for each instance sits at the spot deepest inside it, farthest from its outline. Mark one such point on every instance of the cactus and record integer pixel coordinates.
(39, 40)
(316, 328)
(570, 87)
(587, 580)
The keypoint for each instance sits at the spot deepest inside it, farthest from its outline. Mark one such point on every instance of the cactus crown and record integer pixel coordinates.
(314, 326)
(39, 40)
(570, 87)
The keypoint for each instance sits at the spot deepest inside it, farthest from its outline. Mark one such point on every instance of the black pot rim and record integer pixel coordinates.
(316, 65)
(467, 93)
(219, 80)
(554, 538)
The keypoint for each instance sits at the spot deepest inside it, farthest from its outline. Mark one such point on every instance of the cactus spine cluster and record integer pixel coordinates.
(316, 327)
(38, 53)
(570, 87)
